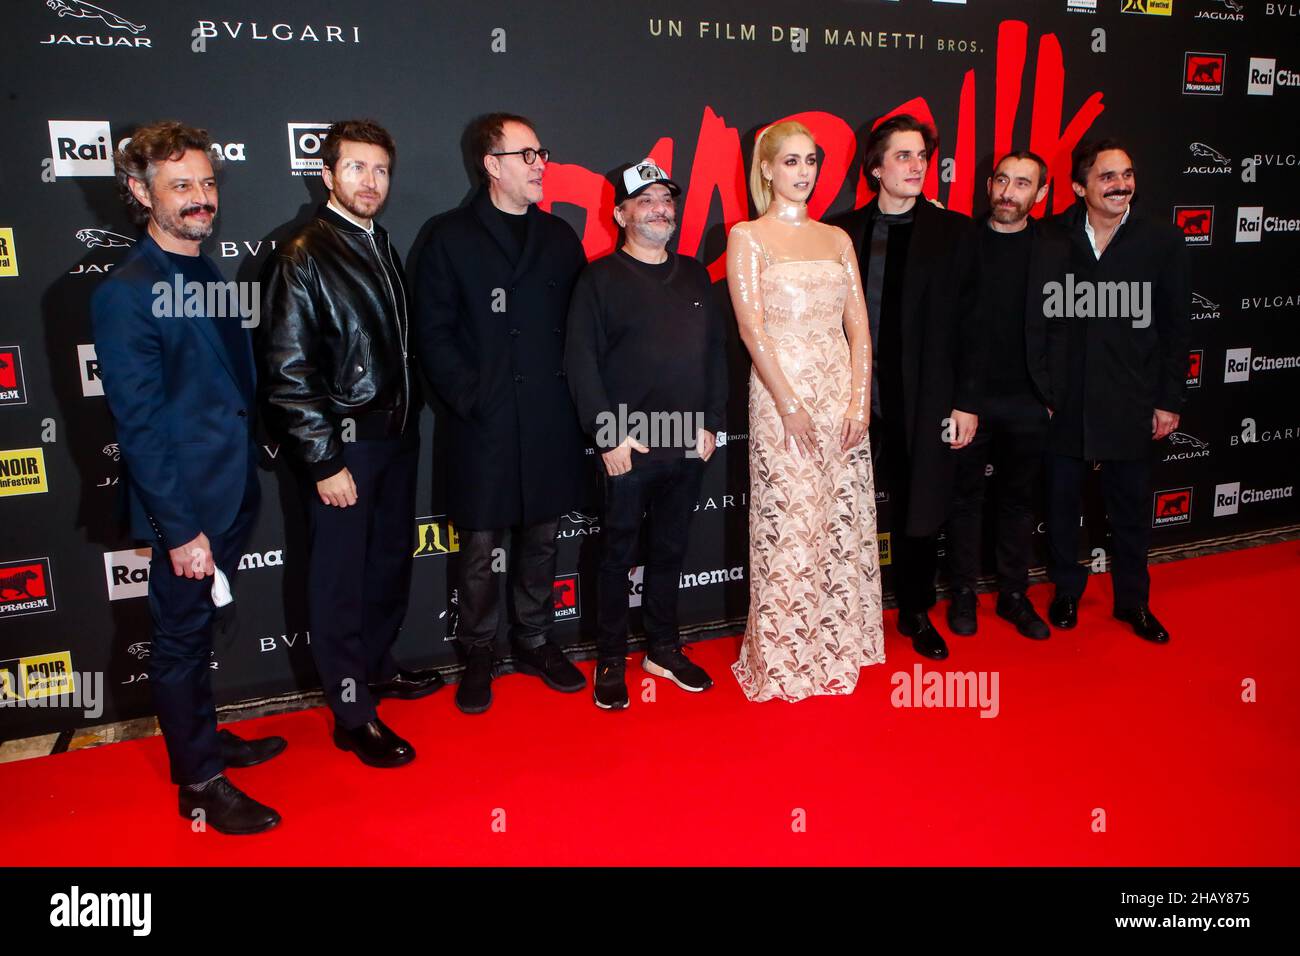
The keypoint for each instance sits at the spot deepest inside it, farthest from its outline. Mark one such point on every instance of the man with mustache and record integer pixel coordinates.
(340, 393)
(492, 299)
(1118, 383)
(180, 387)
(1017, 256)
(918, 265)
(647, 368)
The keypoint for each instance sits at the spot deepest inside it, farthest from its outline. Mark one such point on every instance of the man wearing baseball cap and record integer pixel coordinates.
(646, 363)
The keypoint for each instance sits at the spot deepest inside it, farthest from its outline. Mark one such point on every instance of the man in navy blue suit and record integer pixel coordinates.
(180, 383)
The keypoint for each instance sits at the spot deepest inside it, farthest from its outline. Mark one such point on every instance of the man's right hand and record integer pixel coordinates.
(338, 489)
(618, 461)
(193, 559)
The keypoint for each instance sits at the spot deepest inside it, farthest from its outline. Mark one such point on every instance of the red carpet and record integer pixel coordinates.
(1157, 737)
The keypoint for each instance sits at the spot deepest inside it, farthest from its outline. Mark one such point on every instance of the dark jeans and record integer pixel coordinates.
(360, 573)
(1012, 435)
(180, 657)
(530, 582)
(915, 560)
(661, 495)
(1126, 486)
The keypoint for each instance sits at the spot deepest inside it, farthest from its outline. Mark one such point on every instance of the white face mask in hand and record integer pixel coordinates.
(221, 595)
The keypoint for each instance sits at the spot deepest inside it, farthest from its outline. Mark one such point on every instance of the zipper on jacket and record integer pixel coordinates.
(397, 312)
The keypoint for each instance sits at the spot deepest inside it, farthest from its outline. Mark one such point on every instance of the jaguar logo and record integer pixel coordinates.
(1202, 151)
(112, 451)
(79, 9)
(1202, 302)
(139, 650)
(102, 239)
(1182, 438)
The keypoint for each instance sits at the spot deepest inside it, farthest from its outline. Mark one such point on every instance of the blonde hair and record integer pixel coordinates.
(766, 144)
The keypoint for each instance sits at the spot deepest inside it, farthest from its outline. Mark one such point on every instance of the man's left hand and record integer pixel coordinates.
(705, 443)
(966, 425)
(1162, 423)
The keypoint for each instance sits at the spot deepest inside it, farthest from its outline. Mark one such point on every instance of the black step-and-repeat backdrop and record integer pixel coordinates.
(1206, 91)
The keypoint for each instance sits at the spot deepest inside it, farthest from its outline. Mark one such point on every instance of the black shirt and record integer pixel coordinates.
(883, 262)
(647, 338)
(1004, 282)
(517, 224)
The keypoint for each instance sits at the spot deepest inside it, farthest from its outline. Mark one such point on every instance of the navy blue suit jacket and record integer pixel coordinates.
(182, 402)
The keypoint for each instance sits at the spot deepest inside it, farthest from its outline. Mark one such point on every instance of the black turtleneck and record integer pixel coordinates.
(884, 261)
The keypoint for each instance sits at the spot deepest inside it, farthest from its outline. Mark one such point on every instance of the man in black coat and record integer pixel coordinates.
(1018, 256)
(492, 299)
(1119, 377)
(918, 268)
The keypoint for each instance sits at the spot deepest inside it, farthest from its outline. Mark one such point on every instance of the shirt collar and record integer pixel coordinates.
(329, 204)
(1092, 235)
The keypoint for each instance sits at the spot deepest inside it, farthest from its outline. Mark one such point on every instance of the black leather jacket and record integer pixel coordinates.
(332, 342)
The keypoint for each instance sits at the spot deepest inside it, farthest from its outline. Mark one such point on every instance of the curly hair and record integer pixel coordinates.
(139, 157)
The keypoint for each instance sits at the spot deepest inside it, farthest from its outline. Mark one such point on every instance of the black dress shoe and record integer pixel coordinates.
(238, 752)
(409, 685)
(961, 612)
(474, 692)
(224, 807)
(1063, 612)
(1144, 624)
(926, 641)
(375, 744)
(1017, 609)
(549, 663)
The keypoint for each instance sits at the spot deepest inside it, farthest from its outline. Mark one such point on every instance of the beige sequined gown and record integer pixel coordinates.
(814, 592)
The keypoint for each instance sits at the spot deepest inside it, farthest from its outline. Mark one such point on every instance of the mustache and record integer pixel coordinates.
(1114, 193)
(207, 207)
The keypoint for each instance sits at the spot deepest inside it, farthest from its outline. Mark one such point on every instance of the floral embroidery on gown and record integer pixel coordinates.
(814, 592)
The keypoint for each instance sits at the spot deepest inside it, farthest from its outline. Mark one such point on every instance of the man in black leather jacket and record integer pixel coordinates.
(341, 396)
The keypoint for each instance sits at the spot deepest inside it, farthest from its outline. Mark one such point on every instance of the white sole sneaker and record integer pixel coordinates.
(651, 667)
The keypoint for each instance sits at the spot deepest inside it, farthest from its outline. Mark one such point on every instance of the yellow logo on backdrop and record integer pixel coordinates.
(1155, 8)
(435, 535)
(8, 254)
(882, 542)
(22, 472)
(43, 675)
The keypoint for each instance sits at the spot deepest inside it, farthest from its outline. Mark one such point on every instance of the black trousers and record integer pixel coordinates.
(530, 582)
(915, 559)
(180, 657)
(1126, 487)
(1012, 435)
(661, 495)
(360, 573)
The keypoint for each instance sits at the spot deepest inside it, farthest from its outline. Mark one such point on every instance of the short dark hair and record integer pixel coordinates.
(1086, 153)
(1032, 157)
(357, 131)
(485, 134)
(148, 146)
(878, 142)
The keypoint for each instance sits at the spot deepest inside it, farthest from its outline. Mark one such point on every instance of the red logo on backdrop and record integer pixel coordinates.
(1197, 224)
(12, 391)
(1172, 507)
(1194, 367)
(1203, 73)
(565, 594)
(25, 587)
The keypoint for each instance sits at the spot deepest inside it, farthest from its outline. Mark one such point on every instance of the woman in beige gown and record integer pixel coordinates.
(814, 591)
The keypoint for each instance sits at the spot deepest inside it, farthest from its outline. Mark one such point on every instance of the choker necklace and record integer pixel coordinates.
(794, 214)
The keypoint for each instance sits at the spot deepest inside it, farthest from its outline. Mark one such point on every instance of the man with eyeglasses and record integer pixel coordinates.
(492, 297)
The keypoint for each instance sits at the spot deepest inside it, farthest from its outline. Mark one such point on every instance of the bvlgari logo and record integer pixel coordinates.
(128, 34)
(224, 30)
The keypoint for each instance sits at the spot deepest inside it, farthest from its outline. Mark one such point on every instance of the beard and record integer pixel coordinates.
(180, 225)
(654, 231)
(362, 209)
(1009, 214)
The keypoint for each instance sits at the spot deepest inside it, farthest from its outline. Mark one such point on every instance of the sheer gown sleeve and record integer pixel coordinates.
(744, 266)
(858, 331)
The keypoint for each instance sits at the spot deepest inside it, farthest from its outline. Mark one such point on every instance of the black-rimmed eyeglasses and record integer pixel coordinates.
(528, 153)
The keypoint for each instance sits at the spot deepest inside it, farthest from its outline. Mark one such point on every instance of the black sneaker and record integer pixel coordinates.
(961, 612)
(474, 692)
(1017, 609)
(549, 663)
(670, 662)
(611, 685)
